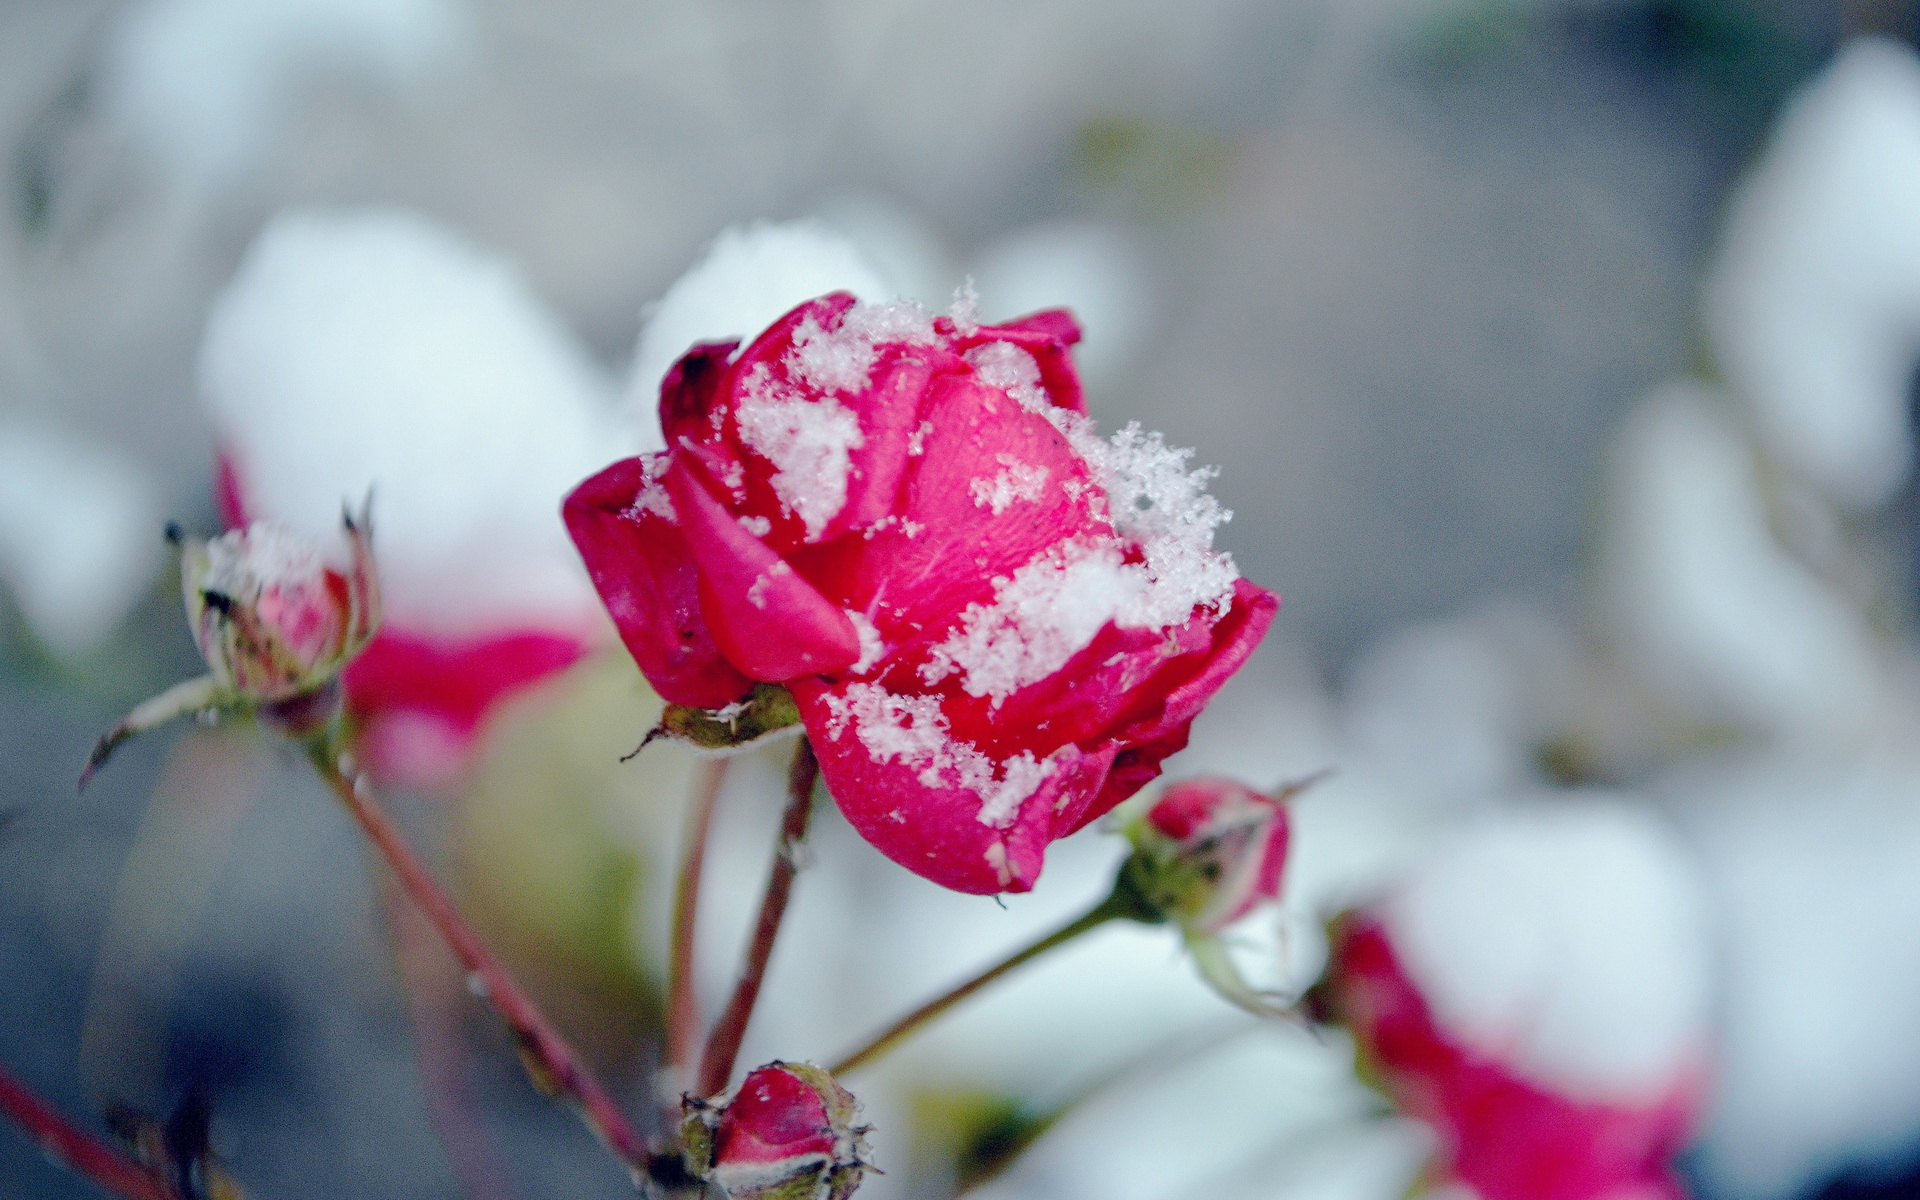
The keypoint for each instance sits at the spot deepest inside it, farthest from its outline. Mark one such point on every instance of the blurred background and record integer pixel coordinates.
(1557, 356)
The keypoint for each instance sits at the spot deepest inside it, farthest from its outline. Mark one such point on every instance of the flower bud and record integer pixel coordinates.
(786, 1133)
(1209, 851)
(271, 618)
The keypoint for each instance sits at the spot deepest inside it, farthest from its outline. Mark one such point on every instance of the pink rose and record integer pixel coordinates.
(787, 1131)
(1505, 1135)
(995, 623)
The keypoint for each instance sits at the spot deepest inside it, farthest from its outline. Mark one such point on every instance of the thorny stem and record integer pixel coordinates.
(723, 1044)
(1121, 904)
(552, 1063)
(78, 1150)
(683, 1009)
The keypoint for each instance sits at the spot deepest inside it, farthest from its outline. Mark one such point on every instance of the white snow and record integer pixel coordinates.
(913, 731)
(79, 534)
(208, 84)
(1567, 939)
(373, 350)
(809, 441)
(245, 563)
(1012, 370)
(872, 646)
(1699, 597)
(841, 359)
(1052, 607)
(1811, 856)
(1015, 481)
(749, 278)
(1814, 300)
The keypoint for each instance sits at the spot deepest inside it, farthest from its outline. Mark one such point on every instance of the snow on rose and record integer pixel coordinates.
(995, 622)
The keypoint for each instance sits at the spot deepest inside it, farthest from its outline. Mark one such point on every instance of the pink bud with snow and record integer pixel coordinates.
(375, 352)
(995, 623)
(270, 617)
(787, 1132)
(1538, 992)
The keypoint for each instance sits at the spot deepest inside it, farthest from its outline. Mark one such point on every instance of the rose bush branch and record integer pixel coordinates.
(79, 1151)
(277, 625)
(723, 1044)
(552, 1063)
(683, 1009)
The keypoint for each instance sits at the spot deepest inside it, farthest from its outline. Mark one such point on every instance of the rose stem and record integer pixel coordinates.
(553, 1064)
(1112, 908)
(723, 1044)
(683, 1011)
(78, 1150)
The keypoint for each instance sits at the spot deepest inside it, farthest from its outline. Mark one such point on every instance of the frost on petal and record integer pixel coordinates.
(810, 443)
(912, 731)
(1012, 370)
(1015, 481)
(841, 359)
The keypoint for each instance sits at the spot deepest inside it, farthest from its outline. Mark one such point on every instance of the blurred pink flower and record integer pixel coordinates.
(995, 623)
(1537, 992)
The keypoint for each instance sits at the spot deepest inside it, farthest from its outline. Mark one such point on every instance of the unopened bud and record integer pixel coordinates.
(786, 1133)
(1209, 851)
(272, 619)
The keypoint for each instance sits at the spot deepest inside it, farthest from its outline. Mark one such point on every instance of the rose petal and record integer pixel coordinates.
(768, 621)
(639, 563)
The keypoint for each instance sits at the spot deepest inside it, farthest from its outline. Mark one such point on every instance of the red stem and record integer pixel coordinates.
(723, 1044)
(552, 1063)
(683, 1009)
(78, 1150)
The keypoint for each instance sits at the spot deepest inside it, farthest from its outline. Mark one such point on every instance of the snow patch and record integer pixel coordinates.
(1016, 481)
(913, 731)
(1006, 366)
(842, 359)
(810, 443)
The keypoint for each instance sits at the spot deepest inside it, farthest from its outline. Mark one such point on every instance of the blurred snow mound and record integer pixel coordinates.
(1814, 304)
(79, 534)
(375, 350)
(1568, 939)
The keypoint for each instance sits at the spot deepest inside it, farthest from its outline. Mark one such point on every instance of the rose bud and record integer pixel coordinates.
(276, 625)
(1209, 851)
(1538, 993)
(994, 623)
(271, 618)
(786, 1133)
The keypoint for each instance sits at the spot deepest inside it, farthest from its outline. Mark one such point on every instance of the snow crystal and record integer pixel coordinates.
(965, 311)
(808, 441)
(757, 593)
(871, 645)
(841, 360)
(757, 526)
(1012, 370)
(1016, 481)
(917, 443)
(913, 731)
(1024, 775)
(652, 497)
(1051, 608)
(265, 556)
(1044, 614)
